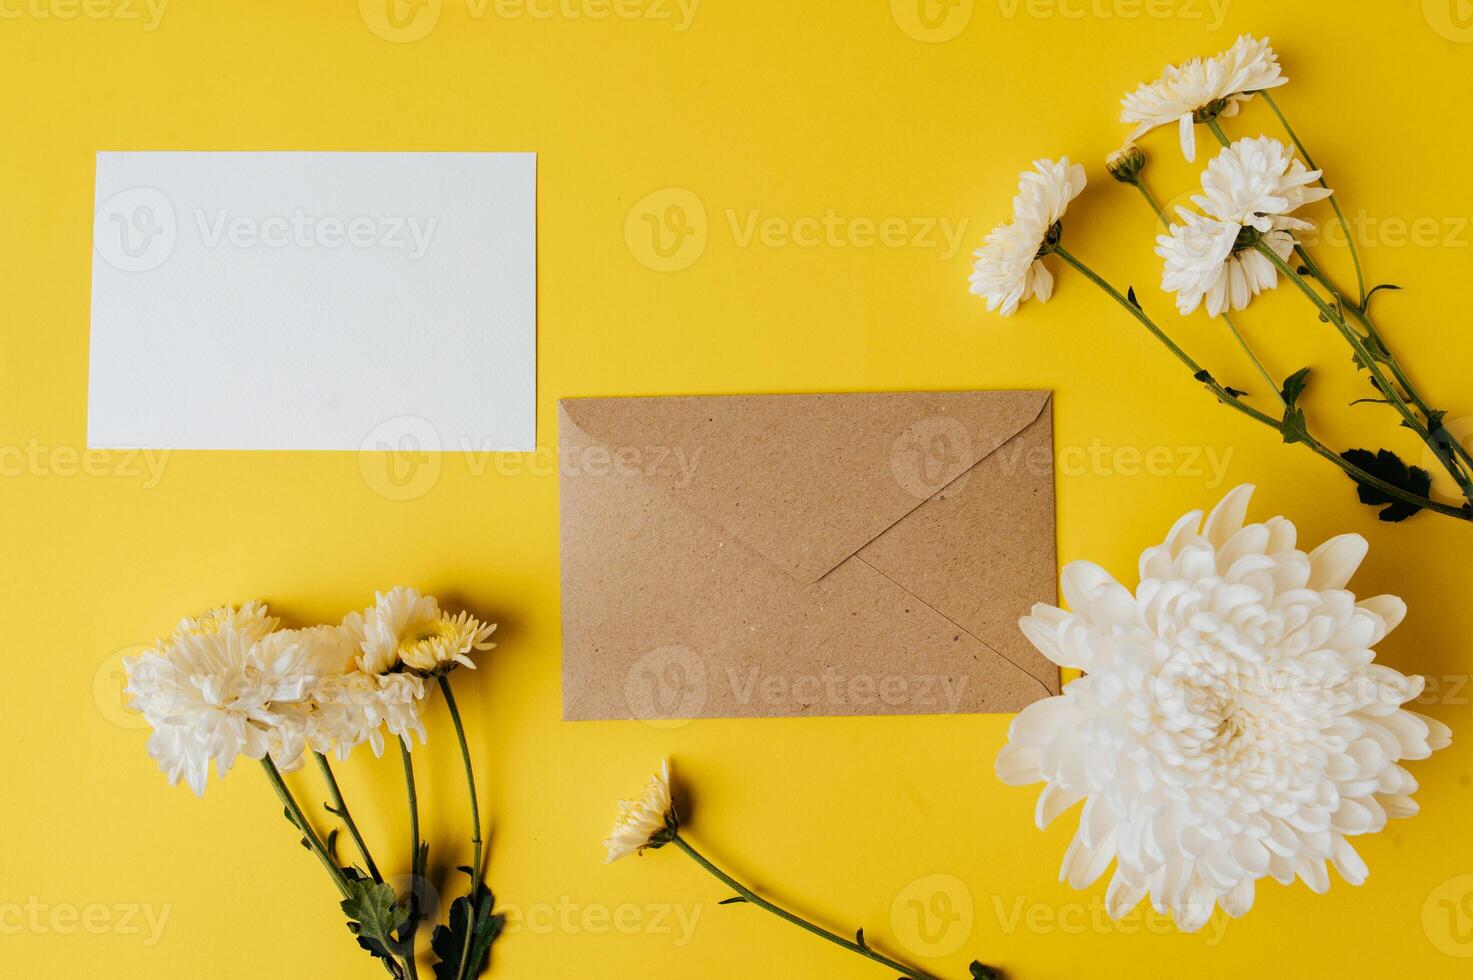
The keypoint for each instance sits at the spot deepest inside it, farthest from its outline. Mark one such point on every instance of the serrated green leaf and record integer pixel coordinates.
(1294, 428)
(1388, 467)
(472, 924)
(374, 916)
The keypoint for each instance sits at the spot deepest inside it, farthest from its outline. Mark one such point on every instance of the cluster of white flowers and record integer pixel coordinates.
(1232, 723)
(230, 683)
(1248, 194)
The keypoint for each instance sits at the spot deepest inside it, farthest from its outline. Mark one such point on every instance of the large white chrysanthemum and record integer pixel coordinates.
(1257, 183)
(1231, 724)
(1204, 262)
(1203, 89)
(221, 691)
(1009, 267)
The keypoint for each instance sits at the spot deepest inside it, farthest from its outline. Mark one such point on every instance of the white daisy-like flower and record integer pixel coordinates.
(1203, 89)
(647, 822)
(251, 620)
(1231, 723)
(1257, 183)
(1205, 261)
(447, 642)
(349, 706)
(220, 693)
(396, 621)
(1009, 267)
(1249, 191)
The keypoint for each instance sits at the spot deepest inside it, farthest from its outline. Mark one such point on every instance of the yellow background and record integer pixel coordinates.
(784, 110)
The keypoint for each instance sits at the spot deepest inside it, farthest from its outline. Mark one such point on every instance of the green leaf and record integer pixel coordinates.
(734, 900)
(1387, 466)
(470, 916)
(1294, 428)
(980, 972)
(1234, 392)
(1130, 295)
(374, 915)
(859, 938)
(1366, 306)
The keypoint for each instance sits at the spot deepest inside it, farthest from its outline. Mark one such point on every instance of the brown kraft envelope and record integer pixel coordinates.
(794, 555)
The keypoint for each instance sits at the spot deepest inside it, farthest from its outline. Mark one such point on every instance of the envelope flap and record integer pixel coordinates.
(805, 480)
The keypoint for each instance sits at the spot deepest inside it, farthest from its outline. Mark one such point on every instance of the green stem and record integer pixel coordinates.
(1462, 461)
(314, 843)
(1273, 386)
(1383, 384)
(1243, 343)
(1353, 471)
(340, 809)
(1151, 200)
(1216, 128)
(414, 852)
(1360, 278)
(762, 903)
(470, 784)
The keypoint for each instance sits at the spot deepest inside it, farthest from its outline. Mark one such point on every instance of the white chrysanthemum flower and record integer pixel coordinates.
(251, 620)
(220, 692)
(1009, 267)
(1205, 261)
(647, 822)
(1257, 183)
(349, 706)
(1203, 89)
(1250, 189)
(447, 642)
(396, 621)
(355, 707)
(1231, 724)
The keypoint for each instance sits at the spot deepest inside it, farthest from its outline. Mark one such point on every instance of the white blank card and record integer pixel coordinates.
(338, 301)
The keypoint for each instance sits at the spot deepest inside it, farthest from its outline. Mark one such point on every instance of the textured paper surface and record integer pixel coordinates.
(789, 555)
(379, 301)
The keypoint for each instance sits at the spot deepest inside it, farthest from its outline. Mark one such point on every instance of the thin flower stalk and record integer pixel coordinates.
(470, 785)
(1360, 278)
(1371, 362)
(1232, 401)
(747, 895)
(340, 809)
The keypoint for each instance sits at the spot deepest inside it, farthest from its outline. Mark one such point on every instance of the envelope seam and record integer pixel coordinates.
(1040, 681)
